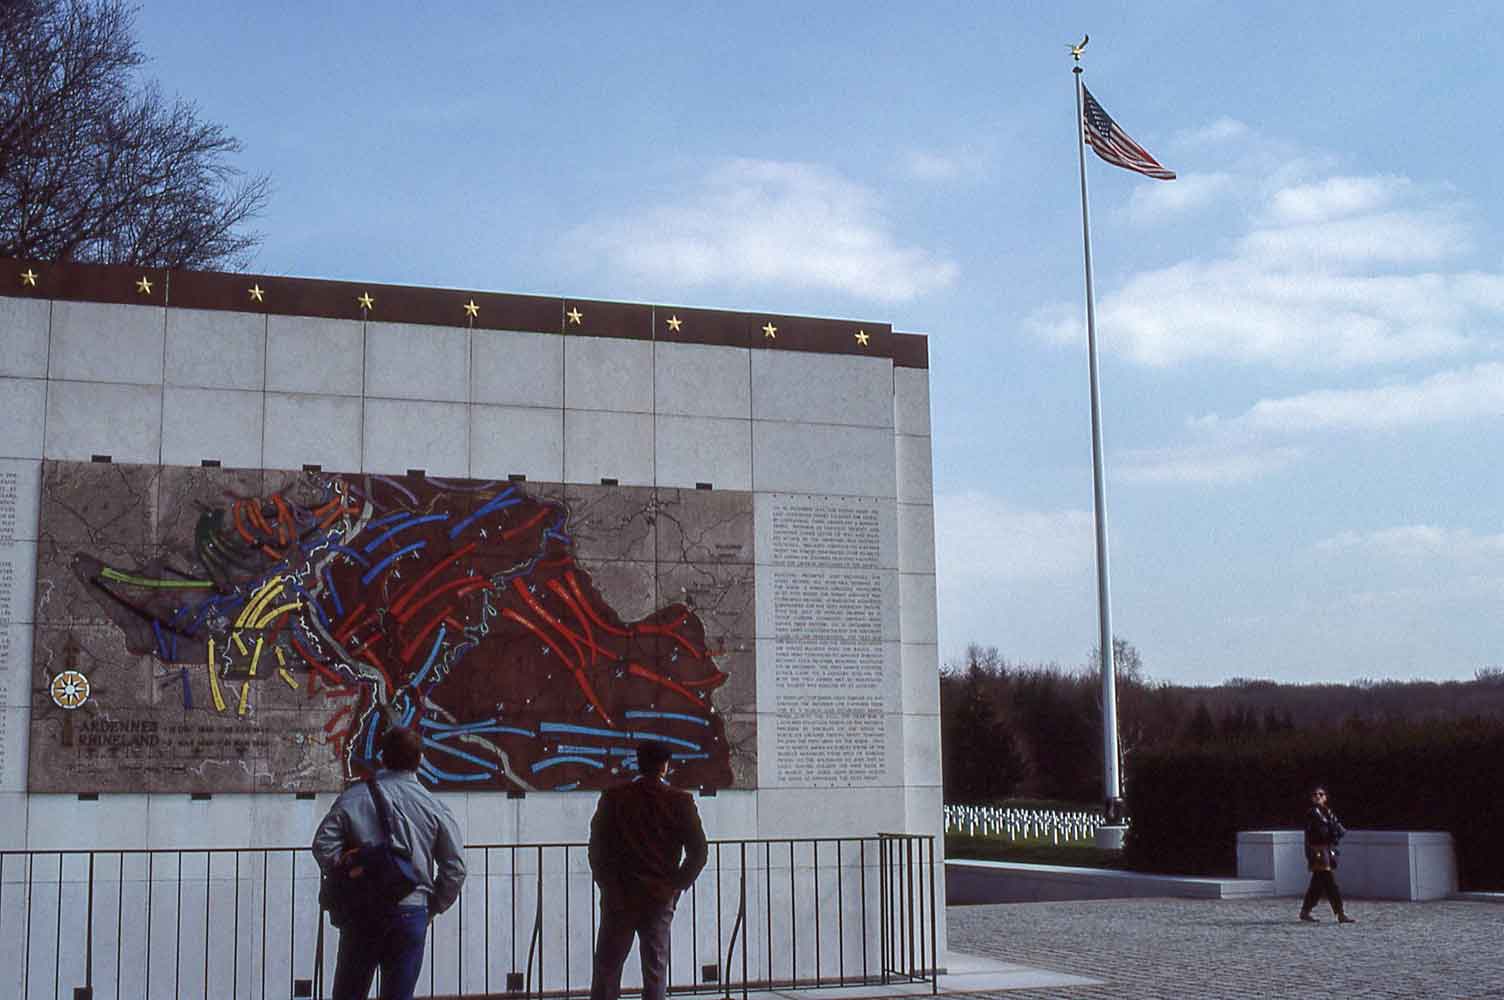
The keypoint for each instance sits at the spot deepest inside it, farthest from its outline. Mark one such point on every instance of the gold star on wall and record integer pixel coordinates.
(29, 277)
(575, 316)
(257, 294)
(674, 323)
(471, 309)
(143, 285)
(862, 336)
(770, 331)
(366, 302)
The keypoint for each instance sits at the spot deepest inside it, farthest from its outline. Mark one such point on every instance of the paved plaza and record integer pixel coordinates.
(1162, 948)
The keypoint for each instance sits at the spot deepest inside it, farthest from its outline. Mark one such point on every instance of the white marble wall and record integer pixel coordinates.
(177, 386)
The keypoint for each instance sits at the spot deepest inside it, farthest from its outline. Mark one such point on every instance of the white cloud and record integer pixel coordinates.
(1379, 238)
(1220, 131)
(1463, 394)
(1334, 197)
(761, 222)
(1417, 541)
(1153, 203)
(930, 165)
(1209, 464)
(978, 535)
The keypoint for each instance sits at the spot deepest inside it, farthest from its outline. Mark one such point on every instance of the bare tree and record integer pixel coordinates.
(96, 166)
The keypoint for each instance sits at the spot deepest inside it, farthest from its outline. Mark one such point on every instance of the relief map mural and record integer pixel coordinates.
(223, 630)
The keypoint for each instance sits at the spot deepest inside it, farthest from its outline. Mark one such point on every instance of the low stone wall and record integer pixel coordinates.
(976, 882)
(1374, 864)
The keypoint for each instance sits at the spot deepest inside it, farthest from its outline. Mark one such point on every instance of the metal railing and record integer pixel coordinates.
(787, 913)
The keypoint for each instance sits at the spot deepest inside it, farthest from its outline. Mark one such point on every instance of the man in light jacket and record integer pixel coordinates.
(424, 829)
(637, 838)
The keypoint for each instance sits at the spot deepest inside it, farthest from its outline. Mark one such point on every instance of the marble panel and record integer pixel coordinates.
(216, 349)
(810, 530)
(223, 424)
(554, 818)
(402, 435)
(23, 337)
(20, 498)
(822, 388)
(599, 445)
(284, 820)
(323, 356)
(99, 342)
(917, 607)
(911, 401)
(492, 819)
(15, 724)
(921, 750)
(728, 815)
(526, 440)
(920, 667)
(99, 418)
(24, 403)
(691, 450)
(303, 429)
(516, 369)
(18, 582)
(698, 380)
(179, 821)
(15, 677)
(828, 812)
(915, 470)
(924, 812)
(64, 822)
(916, 538)
(14, 806)
(822, 458)
(408, 361)
(603, 373)
(866, 675)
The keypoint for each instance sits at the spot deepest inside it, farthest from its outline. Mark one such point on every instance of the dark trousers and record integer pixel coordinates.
(393, 941)
(650, 925)
(1323, 884)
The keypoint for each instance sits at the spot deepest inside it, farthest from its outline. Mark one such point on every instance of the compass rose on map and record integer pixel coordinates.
(70, 689)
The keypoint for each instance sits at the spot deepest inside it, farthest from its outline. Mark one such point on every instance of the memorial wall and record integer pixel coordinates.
(246, 522)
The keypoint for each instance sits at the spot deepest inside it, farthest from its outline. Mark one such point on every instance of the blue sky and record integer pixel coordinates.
(1303, 335)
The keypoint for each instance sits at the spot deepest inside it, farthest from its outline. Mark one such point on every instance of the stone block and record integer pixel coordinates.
(20, 499)
(822, 388)
(917, 621)
(18, 582)
(303, 429)
(911, 401)
(216, 349)
(527, 440)
(98, 342)
(65, 823)
(24, 403)
(916, 477)
(920, 664)
(320, 356)
(23, 337)
(602, 373)
(916, 538)
(14, 806)
(691, 450)
(601, 445)
(827, 812)
(697, 380)
(408, 361)
(99, 418)
(517, 369)
(179, 821)
(223, 424)
(839, 605)
(921, 750)
(822, 458)
(401, 435)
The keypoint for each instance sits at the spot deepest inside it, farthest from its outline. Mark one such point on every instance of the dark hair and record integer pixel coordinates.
(652, 755)
(401, 749)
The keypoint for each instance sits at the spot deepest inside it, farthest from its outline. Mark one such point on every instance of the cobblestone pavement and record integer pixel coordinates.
(1160, 948)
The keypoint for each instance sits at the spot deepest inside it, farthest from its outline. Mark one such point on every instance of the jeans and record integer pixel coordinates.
(650, 925)
(1323, 884)
(394, 941)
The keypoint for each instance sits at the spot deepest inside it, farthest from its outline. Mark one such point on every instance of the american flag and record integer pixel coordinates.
(1113, 145)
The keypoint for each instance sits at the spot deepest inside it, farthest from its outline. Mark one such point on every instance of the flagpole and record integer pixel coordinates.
(1112, 784)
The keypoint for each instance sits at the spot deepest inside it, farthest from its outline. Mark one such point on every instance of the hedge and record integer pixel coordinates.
(1188, 803)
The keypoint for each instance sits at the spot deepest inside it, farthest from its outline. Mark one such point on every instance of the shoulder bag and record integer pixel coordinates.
(371, 878)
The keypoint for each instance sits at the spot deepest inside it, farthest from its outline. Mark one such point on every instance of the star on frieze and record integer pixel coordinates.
(143, 285)
(575, 316)
(366, 302)
(471, 309)
(29, 277)
(674, 322)
(258, 294)
(770, 331)
(862, 336)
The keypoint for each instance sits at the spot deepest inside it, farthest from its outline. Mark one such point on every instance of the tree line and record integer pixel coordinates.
(1011, 730)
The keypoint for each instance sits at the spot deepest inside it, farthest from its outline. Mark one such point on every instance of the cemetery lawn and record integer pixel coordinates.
(1036, 851)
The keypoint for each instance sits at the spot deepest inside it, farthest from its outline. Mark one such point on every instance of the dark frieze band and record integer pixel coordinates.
(291, 296)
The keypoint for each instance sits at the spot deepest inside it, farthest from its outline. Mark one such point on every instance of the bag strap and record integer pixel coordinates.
(382, 809)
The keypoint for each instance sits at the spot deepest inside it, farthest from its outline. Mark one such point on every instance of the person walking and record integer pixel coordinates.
(420, 828)
(646, 847)
(1324, 831)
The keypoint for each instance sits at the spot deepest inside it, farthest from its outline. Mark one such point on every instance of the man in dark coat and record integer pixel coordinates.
(646, 847)
(1324, 831)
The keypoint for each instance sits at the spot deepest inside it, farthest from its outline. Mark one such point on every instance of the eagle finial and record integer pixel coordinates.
(1076, 49)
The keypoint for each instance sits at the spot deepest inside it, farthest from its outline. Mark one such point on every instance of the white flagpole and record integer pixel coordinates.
(1112, 784)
